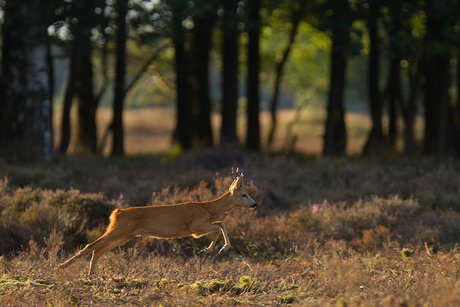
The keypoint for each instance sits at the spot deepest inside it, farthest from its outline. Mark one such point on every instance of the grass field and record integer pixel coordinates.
(328, 232)
(149, 130)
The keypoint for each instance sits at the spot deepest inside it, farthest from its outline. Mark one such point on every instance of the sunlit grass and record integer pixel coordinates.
(149, 130)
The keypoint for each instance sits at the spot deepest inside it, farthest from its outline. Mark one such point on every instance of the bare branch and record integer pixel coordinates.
(144, 67)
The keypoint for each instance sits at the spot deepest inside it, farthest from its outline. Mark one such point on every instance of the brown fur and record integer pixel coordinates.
(169, 221)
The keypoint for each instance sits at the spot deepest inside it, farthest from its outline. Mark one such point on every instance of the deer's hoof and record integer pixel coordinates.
(205, 251)
(225, 248)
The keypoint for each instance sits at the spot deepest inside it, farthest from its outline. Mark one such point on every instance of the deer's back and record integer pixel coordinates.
(165, 221)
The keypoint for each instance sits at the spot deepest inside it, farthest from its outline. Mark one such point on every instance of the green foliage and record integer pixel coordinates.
(406, 253)
(245, 285)
(306, 65)
(288, 299)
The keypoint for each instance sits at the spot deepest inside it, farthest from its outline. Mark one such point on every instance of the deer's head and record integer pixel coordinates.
(239, 194)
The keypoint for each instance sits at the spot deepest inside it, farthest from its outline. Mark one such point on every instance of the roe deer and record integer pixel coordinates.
(170, 221)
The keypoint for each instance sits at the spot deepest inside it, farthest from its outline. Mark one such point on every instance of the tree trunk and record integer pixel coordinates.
(253, 29)
(25, 101)
(456, 140)
(335, 137)
(395, 94)
(435, 105)
(49, 63)
(375, 138)
(86, 140)
(202, 45)
(86, 136)
(398, 102)
(409, 108)
(182, 133)
(392, 120)
(117, 122)
(67, 105)
(229, 72)
(279, 72)
(436, 86)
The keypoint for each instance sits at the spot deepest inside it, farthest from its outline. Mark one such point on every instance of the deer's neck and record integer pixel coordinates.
(219, 206)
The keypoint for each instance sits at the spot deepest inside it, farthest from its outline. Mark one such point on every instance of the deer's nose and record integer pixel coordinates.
(253, 206)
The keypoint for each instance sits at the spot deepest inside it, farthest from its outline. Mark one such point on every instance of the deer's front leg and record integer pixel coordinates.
(211, 246)
(227, 244)
(215, 227)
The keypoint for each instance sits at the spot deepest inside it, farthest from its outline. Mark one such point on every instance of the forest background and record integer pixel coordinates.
(392, 59)
(343, 115)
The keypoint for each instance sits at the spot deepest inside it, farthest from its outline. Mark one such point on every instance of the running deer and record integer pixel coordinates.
(170, 221)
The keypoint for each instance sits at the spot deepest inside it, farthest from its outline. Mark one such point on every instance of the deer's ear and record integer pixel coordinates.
(236, 184)
(232, 188)
(239, 181)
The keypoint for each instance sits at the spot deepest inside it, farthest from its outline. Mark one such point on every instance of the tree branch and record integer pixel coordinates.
(144, 67)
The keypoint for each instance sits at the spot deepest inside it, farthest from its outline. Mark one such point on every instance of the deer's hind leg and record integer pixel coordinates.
(105, 239)
(101, 250)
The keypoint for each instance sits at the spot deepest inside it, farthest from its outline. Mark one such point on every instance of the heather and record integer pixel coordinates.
(339, 232)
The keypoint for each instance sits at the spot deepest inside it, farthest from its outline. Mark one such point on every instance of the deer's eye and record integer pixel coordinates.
(244, 195)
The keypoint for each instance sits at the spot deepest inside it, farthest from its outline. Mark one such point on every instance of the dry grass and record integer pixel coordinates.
(328, 232)
(332, 275)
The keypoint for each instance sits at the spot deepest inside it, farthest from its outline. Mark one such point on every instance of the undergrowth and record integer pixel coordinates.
(328, 232)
